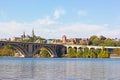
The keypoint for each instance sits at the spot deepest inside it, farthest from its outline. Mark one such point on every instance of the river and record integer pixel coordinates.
(59, 69)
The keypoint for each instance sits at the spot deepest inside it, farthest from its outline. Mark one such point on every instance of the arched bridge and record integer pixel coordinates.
(29, 49)
(81, 47)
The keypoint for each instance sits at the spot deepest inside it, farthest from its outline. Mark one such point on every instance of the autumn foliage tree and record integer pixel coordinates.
(117, 51)
(7, 51)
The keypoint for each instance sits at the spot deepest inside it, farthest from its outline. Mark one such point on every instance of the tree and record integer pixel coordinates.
(71, 53)
(7, 51)
(103, 54)
(96, 52)
(85, 53)
(91, 54)
(44, 53)
(117, 51)
(93, 37)
(109, 42)
(95, 40)
(79, 54)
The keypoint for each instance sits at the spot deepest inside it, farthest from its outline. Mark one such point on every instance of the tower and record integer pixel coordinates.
(64, 39)
(33, 34)
(23, 34)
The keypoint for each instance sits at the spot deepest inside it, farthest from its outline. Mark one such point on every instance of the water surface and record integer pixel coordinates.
(59, 69)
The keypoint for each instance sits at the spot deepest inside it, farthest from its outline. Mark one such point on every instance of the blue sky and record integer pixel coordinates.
(54, 18)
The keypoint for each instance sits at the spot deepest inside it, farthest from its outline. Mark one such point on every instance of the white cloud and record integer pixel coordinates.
(82, 13)
(79, 30)
(110, 33)
(58, 12)
(11, 29)
(49, 28)
(46, 21)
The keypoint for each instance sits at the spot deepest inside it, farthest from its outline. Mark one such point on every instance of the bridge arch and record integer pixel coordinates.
(80, 49)
(18, 48)
(69, 47)
(92, 48)
(75, 48)
(50, 50)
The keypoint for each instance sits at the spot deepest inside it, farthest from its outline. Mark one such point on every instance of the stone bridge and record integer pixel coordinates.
(29, 49)
(79, 47)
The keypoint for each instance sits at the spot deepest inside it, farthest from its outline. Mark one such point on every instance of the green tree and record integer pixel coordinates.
(103, 54)
(44, 53)
(79, 54)
(109, 42)
(93, 37)
(96, 52)
(85, 53)
(93, 53)
(89, 53)
(71, 53)
(95, 40)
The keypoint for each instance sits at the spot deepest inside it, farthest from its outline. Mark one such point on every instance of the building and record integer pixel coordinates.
(23, 37)
(64, 40)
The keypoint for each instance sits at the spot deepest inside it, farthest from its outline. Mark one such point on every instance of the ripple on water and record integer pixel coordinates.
(59, 69)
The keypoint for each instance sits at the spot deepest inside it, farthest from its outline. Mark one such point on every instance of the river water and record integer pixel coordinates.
(59, 69)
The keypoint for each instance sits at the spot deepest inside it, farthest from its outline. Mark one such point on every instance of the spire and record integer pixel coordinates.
(24, 34)
(33, 35)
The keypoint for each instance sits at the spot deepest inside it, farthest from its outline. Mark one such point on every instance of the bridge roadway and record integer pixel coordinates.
(55, 50)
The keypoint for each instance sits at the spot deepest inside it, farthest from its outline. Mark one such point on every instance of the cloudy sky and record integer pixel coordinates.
(54, 18)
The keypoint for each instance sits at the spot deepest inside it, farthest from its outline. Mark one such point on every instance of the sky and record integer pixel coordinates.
(54, 18)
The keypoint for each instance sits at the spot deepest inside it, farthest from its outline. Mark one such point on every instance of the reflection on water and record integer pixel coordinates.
(59, 69)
